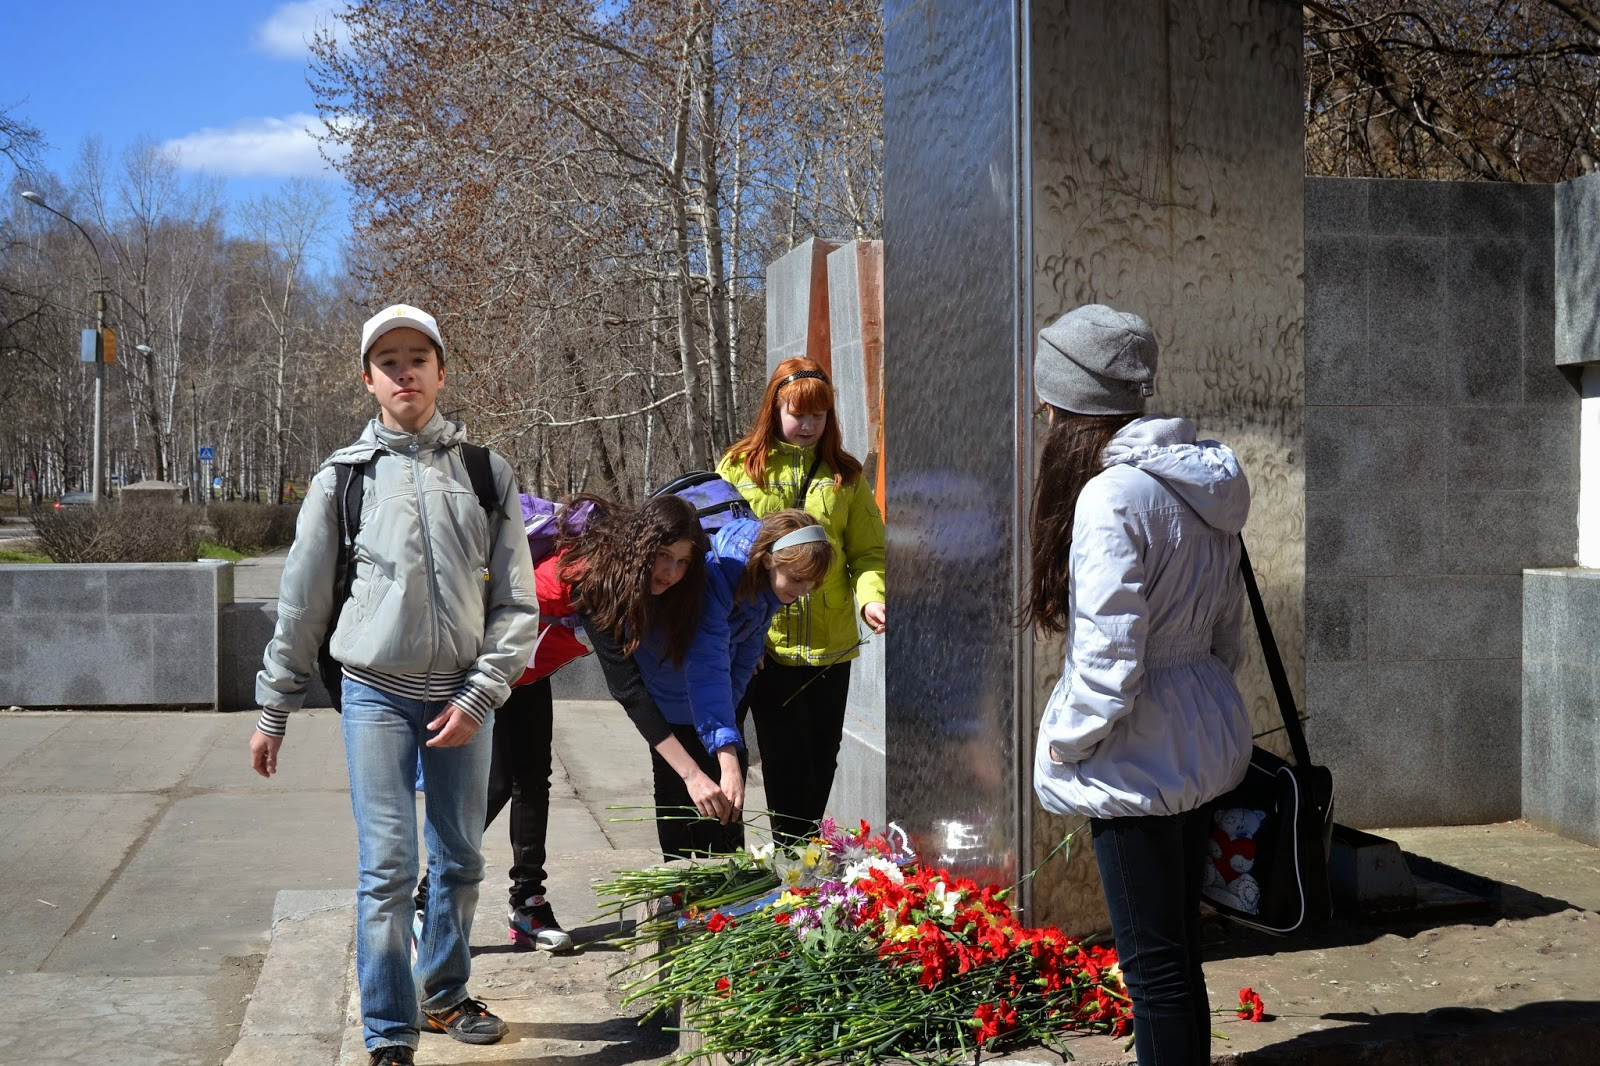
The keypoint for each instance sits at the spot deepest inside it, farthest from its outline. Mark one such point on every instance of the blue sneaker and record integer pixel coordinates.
(534, 927)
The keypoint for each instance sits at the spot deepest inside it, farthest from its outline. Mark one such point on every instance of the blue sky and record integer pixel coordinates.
(222, 83)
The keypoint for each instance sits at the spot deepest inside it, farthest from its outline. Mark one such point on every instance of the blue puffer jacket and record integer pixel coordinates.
(726, 648)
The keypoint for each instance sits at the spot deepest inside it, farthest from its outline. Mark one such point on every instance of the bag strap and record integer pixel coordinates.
(481, 474)
(1269, 651)
(349, 486)
(805, 486)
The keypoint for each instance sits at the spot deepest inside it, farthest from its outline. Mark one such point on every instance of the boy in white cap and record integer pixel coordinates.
(441, 617)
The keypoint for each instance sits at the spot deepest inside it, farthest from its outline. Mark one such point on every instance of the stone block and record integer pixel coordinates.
(1374, 448)
(1399, 735)
(1475, 618)
(1357, 534)
(1577, 270)
(1538, 209)
(1560, 698)
(1409, 208)
(797, 304)
(1336, 205)
(1514, 447)
(1336, 620)
(855, 314)
(1406, 328)
(1484, 287)
(1337, 276)
(1544, 381)
(186, 661)
(115, 635)
(1504, 530)
(1484, 209)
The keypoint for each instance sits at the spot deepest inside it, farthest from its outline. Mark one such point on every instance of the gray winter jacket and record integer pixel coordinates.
(1146, 718)
(439, 587)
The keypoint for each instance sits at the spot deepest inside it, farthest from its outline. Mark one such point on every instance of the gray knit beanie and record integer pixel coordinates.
(1094, 360)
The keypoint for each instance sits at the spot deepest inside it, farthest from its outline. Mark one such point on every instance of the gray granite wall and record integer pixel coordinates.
(1560, 694)
(1441, 460)
(88, 635)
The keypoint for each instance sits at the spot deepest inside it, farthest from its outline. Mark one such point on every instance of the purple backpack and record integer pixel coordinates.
(544, 519)
(716, 502)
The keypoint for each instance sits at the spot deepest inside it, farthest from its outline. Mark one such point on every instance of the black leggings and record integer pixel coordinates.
(679, 827)
(519, 776)
(799, 717)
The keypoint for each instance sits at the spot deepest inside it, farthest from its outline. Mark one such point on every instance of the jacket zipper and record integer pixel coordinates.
(433, 574)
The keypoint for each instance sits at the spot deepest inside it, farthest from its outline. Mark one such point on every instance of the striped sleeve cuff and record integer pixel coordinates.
(273, 723)
(474, 703)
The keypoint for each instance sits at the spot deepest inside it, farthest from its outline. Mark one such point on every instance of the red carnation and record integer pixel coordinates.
(1250, 1007)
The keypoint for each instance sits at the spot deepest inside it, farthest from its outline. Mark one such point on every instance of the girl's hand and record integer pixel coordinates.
(455, 727)
(708, 799)
(876, 617)
(732, 779)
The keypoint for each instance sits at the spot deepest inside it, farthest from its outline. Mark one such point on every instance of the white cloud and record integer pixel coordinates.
(288, 30)
(254, 147)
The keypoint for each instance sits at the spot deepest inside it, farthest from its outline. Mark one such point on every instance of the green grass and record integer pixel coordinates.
(22, 557)
(213, 550)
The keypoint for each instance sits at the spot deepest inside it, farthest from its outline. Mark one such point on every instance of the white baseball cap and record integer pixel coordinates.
(394, 317)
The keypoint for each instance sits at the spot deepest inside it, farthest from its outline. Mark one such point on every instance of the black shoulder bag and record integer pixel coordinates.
(1271, 835)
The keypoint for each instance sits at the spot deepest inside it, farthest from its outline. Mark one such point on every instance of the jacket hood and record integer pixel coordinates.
(1203, 473)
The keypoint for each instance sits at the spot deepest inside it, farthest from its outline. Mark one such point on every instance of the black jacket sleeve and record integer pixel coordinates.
(626, 683)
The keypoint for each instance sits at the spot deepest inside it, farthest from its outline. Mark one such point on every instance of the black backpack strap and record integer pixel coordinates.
(349, 487)
(481, 474)
(1269, 651)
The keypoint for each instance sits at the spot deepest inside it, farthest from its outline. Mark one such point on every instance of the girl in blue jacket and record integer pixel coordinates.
(753, 570)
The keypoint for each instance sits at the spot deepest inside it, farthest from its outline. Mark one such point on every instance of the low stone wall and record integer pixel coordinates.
(1560, 689)
(246, 629)
(89, 635)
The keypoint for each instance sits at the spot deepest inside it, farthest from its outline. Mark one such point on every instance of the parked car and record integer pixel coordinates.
(75, 499)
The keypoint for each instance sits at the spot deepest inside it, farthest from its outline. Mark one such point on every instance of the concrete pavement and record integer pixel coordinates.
(144, 863)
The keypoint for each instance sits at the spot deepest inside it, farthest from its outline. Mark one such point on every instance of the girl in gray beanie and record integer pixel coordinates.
(1136, 558)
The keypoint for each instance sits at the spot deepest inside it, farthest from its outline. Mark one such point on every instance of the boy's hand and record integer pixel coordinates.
(264, 753)
(455, 727)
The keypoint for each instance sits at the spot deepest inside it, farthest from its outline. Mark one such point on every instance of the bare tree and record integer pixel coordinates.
(1453, 89)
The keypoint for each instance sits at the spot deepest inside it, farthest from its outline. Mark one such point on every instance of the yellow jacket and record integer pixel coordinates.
(823, 627)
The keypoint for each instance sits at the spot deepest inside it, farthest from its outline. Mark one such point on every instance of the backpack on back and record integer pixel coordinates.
(348, 489)
(716, 501)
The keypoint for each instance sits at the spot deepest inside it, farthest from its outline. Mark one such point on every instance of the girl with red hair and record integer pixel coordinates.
(792, 457)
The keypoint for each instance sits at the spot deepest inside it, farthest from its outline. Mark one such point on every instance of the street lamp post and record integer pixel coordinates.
(97, 484)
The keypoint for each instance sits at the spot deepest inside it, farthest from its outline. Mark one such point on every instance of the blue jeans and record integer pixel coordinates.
(384, 736)
(1151, 869)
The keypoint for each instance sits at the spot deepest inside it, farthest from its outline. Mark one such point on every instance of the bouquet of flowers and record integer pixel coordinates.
(847, 948)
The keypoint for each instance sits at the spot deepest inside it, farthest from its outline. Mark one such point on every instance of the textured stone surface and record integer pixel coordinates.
(1577, 270)
(797, 304)
(1560, 697)
(1441, 459)
(113, 635)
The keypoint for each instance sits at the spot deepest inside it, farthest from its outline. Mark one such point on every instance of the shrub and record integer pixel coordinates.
(247, 527)
(110, 533)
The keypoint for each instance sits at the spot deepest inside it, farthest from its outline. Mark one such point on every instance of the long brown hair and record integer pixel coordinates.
(609, 561)
(1073, 453)
(807, 562)
(805, 396)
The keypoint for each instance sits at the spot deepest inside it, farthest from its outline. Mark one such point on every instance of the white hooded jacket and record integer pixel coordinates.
(1147, 719)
